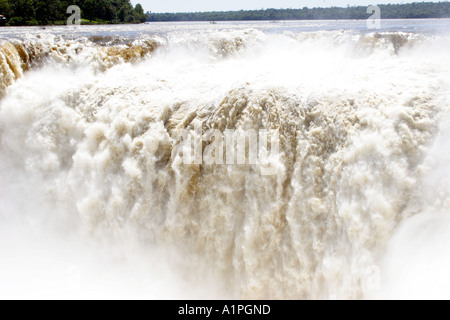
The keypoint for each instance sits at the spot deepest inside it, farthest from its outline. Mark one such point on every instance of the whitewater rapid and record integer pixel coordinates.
(88, 132)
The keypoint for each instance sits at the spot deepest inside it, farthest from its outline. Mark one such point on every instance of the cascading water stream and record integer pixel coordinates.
(88, 132)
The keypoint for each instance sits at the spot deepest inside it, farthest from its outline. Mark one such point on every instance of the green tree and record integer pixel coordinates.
(23, 9)
(5, 7)
(139, 13)
(89, 7)
(124, 13)
(47, 10)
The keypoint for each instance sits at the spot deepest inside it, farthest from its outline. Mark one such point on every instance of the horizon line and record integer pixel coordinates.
(299, 8)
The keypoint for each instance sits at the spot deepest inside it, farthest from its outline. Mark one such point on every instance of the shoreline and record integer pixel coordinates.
(220, 21)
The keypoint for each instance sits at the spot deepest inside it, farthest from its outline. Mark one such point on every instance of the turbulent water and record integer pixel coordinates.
(96, 202)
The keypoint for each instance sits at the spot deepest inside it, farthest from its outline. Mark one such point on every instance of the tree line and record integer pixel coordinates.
(416, 10)
(44, 12)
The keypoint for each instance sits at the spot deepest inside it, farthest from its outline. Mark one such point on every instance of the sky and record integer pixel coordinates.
(226, 5)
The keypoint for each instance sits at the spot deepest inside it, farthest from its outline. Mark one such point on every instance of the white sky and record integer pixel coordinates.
(225, 5)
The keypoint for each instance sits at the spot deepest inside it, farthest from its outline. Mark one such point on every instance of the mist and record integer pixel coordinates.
(95, 201)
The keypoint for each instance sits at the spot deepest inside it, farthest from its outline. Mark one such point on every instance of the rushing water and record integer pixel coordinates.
(95, 202)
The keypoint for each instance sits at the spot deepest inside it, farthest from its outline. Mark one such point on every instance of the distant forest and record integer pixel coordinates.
(44, 12)
(416, 10)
